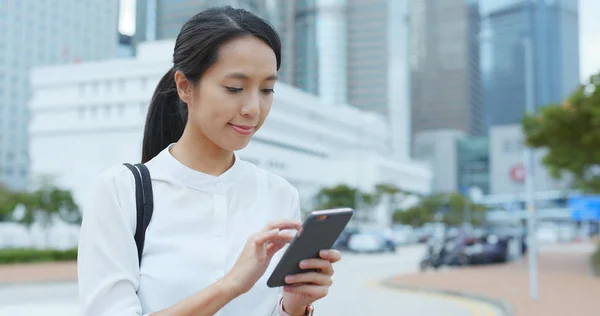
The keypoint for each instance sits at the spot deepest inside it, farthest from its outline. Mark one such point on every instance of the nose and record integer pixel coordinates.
(251, 105)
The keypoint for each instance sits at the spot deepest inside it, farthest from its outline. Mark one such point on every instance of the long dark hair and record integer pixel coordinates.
(196, 49)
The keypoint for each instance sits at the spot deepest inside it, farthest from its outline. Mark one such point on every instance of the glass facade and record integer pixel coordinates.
(446, 88)
(473, 158)
(552, 26)
(163, 19)
(306, 59)
(36, 34)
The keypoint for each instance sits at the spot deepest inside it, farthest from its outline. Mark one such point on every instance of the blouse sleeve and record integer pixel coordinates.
(294, 214)
(295, 207)
(108, 269)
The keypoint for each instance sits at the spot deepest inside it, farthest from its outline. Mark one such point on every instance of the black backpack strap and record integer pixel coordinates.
(148, 198)
(144, 204)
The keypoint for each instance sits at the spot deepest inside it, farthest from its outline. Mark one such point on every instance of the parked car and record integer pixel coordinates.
(371, 242)
(341, 243)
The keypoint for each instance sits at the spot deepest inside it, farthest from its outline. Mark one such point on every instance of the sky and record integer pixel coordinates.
(589, 33)
(589, 38)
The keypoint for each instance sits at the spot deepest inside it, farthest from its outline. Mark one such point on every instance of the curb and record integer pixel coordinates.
(505, 308)
(35, 282)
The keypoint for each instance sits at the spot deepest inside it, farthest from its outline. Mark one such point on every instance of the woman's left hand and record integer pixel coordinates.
(305, 288)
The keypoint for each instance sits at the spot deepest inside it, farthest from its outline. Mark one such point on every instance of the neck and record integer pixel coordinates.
(197, 152)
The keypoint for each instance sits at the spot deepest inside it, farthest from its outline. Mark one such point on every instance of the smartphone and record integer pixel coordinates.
(319, 232)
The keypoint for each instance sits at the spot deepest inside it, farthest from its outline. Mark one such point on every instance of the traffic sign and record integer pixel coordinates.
(585, 208)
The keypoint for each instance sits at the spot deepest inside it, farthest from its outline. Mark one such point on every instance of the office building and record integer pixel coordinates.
(99, 110)
(344, 51)
(378, 71)
(473, 163)
(163, 19)
(552, 27)
(36, 33)
(444, 60)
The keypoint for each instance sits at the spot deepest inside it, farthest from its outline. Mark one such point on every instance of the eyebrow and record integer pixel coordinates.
(239, 75)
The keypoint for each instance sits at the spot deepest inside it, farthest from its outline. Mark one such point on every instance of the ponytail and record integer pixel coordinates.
(196, 50)
(166, 118)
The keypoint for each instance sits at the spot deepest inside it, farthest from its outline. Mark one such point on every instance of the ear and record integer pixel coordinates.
(184, 87)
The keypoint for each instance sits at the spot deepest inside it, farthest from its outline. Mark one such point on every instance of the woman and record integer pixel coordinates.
(219, 223)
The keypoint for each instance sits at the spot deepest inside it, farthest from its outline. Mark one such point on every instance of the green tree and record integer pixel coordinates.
(8, 202)
(334, 197)
(461, 210)
(451, 207)
(570, 132)
(414, 216)
(396, 194)
(48, 202)
(343, 196)
(45, 204)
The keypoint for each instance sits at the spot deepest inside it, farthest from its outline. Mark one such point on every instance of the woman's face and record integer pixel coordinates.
(234, 96)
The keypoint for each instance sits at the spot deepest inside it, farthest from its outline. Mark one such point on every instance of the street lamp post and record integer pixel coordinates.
(359, 157)
(530, 175)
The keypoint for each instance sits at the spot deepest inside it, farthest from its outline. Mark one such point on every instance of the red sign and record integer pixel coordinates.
(517, 173)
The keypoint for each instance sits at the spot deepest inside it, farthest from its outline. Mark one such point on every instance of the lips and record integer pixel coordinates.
(242, 129)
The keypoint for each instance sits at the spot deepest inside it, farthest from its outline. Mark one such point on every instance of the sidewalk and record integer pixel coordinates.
(566, 286)
(38, 272)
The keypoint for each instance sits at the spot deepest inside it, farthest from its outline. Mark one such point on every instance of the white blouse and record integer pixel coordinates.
(199, 227)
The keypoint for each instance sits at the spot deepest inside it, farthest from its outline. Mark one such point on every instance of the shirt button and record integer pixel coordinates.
(220, 186)
(217, 275)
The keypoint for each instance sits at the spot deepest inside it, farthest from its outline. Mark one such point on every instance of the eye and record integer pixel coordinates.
(268, 91)
(233, 89)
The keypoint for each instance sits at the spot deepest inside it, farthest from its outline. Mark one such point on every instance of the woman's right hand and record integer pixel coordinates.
(257, 253)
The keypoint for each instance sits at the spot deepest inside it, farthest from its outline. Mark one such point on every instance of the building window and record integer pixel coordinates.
(81, 88)
(81, 112)
(107, 111)
(94, 87)
(94, 111)
(121, 109)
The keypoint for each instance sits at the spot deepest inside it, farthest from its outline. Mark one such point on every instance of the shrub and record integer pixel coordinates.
(596, 261)
(8, 256)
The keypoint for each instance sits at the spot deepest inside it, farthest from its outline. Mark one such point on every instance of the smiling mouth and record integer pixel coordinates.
(241, 129)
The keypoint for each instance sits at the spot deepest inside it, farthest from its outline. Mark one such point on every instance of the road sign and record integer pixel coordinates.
(585, 208)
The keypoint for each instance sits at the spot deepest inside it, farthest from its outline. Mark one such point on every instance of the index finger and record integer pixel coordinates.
(331, 254)
(283, 224)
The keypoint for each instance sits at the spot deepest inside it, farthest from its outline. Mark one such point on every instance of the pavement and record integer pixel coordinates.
(51, 289)
(385, 284)
(358, 289)
(566, 285)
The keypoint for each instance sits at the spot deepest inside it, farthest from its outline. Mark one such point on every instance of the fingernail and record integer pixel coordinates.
(289, 279)
(303, 264)
(324, 253)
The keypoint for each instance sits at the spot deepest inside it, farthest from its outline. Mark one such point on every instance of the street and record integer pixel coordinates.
(356, 291)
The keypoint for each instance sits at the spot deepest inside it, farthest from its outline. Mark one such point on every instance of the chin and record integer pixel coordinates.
(235, 145)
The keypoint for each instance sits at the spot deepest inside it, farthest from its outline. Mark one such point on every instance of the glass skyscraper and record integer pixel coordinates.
(552, 26)
(444, 59)
(163, 19)
(473, 159)
(38, 33)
